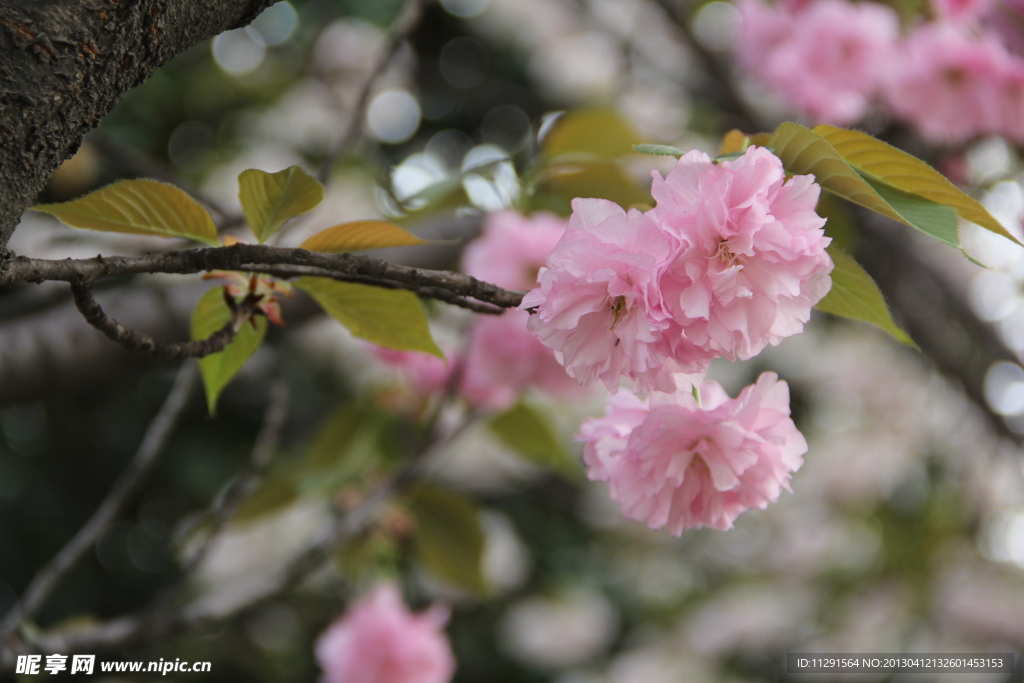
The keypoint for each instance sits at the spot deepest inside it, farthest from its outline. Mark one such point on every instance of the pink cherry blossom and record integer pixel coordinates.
(425, 373)
(827, 58)
(960, 10)
(378, 640)
(751, 260)
(950, 84)
(512, 248)
(599, 302)
(676, 464)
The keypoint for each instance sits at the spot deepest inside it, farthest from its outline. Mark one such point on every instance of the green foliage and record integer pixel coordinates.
(140, 207)
(905, 172)
(804, 151)
(600, 131)
(558, 183)
(662, 150)
(359, 235)
(388, 317)
(855, 295)
(269, 200)
(449, 542)
(272, 495)
(217, 369)
(523, 429)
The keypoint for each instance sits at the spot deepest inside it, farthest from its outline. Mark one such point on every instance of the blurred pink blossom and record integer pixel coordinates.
(960, 10)
(827, 58)
(512, 248)
(378, 640)
(683, 465)
(751, 261)
(599, 304)
(425, 373)
(505, 359)
(952, 85)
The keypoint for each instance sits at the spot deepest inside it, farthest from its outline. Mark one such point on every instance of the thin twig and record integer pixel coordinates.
(139, 341)
(263, 450)
(157, 435)
(400, 30)
(147, 626)
(718, 73)
(256, 258)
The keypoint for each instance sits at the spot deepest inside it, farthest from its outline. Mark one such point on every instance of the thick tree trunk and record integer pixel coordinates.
(65, 63)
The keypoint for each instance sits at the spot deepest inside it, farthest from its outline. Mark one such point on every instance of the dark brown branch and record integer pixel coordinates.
(139, 341)
(257, 258)
(64, 64)
(131, 479)
(444, 295)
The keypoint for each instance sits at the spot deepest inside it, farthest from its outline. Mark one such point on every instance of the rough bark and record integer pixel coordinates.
(65, 63)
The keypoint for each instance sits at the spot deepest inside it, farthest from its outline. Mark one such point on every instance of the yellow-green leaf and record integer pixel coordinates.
(449, 541)
(270, 199)
(217, 369)
(358, 235)
(530, 434)
(388, 317)
(803, 151)
(559, 183)
(600, 130)
(139, 207)
(855, 295)
(908, 173)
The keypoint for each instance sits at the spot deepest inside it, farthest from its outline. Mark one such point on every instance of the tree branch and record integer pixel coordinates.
(256, 258)
(127, 485)
(64, 64)
(139, 341)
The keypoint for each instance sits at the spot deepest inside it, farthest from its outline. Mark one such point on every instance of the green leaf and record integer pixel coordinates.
(449, 542)
(663, 150)
(358, 235)
(561, 182)
(941, 220)
(907, 173)
(387, 317)
(138, 207)
(803, 151)
(217, 369)
(855, 295)
(271, 495)
(601, 131)
(341, 451)
(270, 199)
(530, 434)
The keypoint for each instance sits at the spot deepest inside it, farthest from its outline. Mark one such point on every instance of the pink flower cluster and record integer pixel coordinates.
(379, 641)
(828, 57)
(731, 259)
(953, 79)
(502, 358)
(676, 464)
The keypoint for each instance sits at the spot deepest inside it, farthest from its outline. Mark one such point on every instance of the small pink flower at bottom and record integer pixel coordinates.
(674, 464)
(378, 640)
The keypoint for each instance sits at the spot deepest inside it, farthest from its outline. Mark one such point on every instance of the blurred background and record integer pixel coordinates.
(904, 531)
